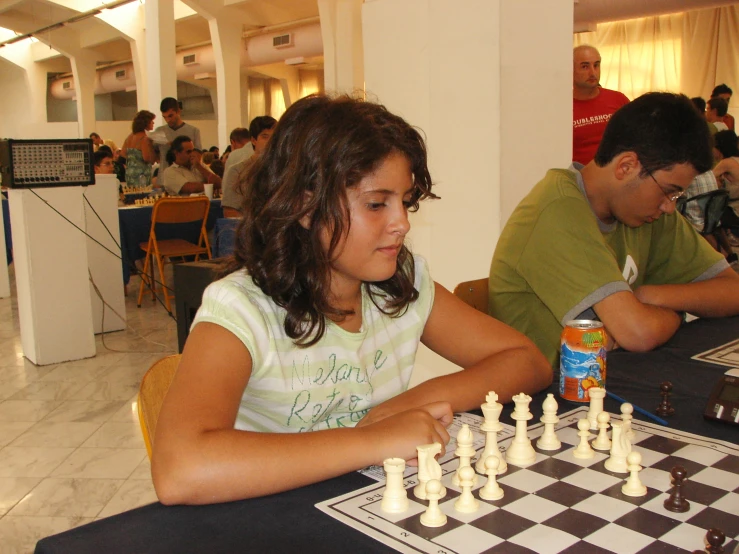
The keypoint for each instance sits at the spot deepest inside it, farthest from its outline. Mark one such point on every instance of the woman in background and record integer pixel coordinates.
(139, 150)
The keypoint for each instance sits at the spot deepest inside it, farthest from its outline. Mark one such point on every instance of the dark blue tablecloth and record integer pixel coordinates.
(8, 235)
(135, 224)
(224, 236)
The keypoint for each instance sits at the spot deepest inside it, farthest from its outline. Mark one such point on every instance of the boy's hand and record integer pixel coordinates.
(398, 435)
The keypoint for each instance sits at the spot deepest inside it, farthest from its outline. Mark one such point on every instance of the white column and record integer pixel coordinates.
(226, 37)
(341, 32)
(471, 75)
(160, 52)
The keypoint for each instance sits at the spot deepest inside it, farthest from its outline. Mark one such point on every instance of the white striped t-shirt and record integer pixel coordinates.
(331, 384)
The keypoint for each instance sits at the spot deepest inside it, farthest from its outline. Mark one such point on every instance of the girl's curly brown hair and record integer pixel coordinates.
(320, 147)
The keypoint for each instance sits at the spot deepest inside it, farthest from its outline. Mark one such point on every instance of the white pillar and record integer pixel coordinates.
(341, 32)
(226, 37)
(490, 84)
(160, 52)
(84, 72)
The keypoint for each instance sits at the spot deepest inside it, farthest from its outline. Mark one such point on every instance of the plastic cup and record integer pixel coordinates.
(208, 188)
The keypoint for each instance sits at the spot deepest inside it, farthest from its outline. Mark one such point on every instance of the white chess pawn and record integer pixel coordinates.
(626, 416)
(465, 451)
(491, 426)
(433, 516)
(634, 486)
(583, 450)
(520, 452)
(466, 503)
(492, 490)
(602, 442)
(596, 395)
(548, 439)
(394, 497)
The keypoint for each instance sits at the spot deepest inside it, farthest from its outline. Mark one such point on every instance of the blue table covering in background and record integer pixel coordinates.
(135, 224)
(225, 235)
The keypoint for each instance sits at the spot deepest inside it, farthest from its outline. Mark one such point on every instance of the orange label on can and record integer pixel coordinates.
(582, 363)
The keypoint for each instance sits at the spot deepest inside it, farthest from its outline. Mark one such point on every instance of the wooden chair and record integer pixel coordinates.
(474, 293)
(173, 211)
(154, 387)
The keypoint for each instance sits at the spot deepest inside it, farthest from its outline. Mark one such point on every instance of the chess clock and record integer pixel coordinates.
(723, 404)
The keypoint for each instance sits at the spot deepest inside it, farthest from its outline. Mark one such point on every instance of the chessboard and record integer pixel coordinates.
(561, 504)
(726, 354)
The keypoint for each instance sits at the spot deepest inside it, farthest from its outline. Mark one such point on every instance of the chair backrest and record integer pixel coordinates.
(712, 205)
(180, 210)
(154, 387)
(474, 293)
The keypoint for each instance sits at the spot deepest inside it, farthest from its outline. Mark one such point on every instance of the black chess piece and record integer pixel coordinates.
(676, 502)
(715, 539)
(665, 409)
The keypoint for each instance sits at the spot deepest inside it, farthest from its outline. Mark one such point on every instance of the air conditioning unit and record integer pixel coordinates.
(67, 85)
(120, 74)
(283, 41)
(190, 59)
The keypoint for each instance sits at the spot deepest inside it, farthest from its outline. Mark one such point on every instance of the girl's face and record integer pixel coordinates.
(150, 126)
(378, 208)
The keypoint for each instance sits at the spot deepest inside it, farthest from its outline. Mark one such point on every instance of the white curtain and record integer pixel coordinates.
(689, 52)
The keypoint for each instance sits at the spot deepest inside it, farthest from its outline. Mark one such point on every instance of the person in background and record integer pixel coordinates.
(186, 173)
(97, 142)
(723, 91)
(603, 241)
(700, 105)
(175, 126)
(592, 105)
(138, 149)
(237, 167)
(725, 148)
(208, 158)
(215, 151)
(102, 161)
(218, 168)
(301, 356)
(715, 112)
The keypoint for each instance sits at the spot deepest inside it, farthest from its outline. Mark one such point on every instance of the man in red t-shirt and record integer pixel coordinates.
(592, 106)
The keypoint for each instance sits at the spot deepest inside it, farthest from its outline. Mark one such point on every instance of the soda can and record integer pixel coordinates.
(582, 361)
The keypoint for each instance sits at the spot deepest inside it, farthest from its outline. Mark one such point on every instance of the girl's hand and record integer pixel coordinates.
(398, 435)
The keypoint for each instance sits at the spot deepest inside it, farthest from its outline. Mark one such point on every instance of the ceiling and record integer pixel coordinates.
(107, 45)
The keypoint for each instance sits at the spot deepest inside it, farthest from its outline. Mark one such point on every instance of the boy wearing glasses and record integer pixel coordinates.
(102, 162)
(603, 241)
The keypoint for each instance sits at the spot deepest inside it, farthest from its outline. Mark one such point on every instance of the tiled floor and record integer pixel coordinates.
(70, 445)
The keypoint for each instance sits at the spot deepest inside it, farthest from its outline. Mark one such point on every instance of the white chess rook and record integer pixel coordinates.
(596, 395)
(548, 439)
(395, 497)
(520, 452)
(492, 425)
(428, 469)
(465, 451)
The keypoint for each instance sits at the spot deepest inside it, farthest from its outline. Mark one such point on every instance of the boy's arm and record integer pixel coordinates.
(495, 357)
(635, 325)
(714, 297)
(199, 458)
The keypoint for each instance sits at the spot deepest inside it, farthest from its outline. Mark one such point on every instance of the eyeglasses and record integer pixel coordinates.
(671, 197)
(108, 164)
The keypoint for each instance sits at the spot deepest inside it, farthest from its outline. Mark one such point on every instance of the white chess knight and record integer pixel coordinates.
(520, 452)
(428, 469)
(491, 426)
(620, 448)
(548, 439)
(465, 451)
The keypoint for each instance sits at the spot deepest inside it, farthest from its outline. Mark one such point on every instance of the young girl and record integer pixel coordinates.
(317, 325)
